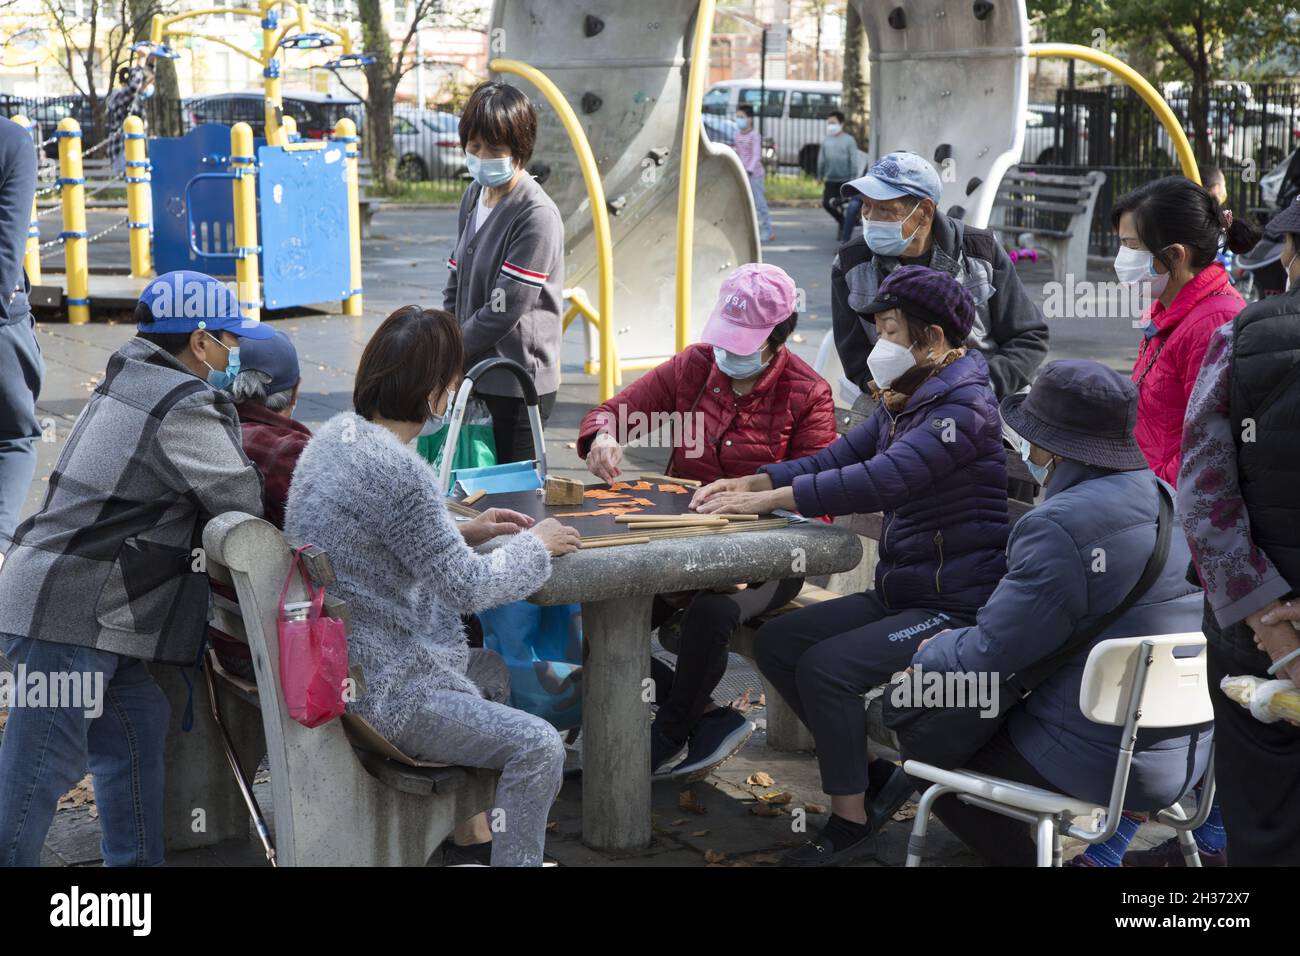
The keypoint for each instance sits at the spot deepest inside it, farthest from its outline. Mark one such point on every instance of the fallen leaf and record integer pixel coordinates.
(83, 794)
(778, 798)
(4, 718)
(678, 823)
(742, 703)
(814, 808)
(713, 856)
(906, 812)
(700, 833)
(764, 858)
(569, 444)
(762, 701)
(797, 339)
(762, 809)
(759, 779)
(686, 801)
(553, 826)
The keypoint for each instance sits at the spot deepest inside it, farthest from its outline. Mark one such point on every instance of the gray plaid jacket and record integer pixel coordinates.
(107, 560)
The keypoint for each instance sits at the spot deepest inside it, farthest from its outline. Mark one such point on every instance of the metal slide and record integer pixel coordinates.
(949, 80)
(622, 65)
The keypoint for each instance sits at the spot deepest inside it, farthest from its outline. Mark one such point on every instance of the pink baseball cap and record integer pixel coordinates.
(752, 300)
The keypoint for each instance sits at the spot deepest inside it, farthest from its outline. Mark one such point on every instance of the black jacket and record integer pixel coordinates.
(1009, 328)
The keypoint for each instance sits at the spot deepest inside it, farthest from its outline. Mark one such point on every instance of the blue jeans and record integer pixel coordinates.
(45, 751)
(759, 189)
(852, 219)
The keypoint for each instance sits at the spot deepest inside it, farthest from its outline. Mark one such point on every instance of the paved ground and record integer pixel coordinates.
(403, 264)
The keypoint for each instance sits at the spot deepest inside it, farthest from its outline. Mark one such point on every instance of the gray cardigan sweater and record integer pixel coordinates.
(106, 562)
(402, 566)
(506, 286)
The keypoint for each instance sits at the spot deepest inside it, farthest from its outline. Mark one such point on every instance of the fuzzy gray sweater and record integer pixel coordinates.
(402, 566)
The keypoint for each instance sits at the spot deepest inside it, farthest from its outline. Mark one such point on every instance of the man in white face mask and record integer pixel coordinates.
(837, 163)
(902, 225)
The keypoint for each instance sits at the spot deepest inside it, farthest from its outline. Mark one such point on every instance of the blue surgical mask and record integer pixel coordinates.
(490, 172)
(1038, 471)
(886, 238)
(146, 93)
(738, 366)
(742, 122)
(222, 380)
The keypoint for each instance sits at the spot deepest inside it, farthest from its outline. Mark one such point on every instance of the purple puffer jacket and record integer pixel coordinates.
(938, 471)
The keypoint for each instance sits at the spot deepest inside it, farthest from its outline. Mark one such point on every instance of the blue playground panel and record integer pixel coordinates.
(302, 208)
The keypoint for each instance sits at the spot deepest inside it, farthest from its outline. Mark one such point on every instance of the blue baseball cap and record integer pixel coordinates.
(895, 175)
(274, 356)
(183, 301)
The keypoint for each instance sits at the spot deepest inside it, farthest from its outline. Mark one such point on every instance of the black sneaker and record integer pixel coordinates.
(662, 752)
(714, 740)
(822, 850)
(475, 854)
(893, 793)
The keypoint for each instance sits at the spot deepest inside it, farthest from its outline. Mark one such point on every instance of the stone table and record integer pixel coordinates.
(616, 587)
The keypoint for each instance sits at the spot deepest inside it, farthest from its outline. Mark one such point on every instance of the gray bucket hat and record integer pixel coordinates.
(1080, 410)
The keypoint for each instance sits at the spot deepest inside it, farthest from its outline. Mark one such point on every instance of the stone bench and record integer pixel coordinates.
(334, 803)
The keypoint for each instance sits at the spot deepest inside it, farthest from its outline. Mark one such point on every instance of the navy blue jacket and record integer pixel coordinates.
(1073, 559)
(938, 471)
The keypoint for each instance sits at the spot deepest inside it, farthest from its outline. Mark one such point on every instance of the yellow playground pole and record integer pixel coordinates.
(690, 163)
(271, 74)
(346, 133)
(72, 180)
(1150, 95)
(599, 211)
(137, 197)
(245, 190)
(32, 256)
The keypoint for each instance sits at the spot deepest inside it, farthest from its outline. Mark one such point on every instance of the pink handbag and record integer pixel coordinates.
(313, 656)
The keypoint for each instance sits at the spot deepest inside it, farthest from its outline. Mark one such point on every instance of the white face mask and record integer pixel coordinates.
(1138, 267)
(832, 128)
(1290, 281)
(888, 361)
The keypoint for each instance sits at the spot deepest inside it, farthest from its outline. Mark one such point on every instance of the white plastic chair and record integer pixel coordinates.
(1133, 682)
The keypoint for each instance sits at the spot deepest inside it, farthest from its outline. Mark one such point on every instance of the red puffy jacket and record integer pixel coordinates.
(1171, 357)
(788, 414)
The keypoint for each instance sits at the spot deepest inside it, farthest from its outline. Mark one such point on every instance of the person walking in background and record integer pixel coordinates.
(837, 163)
(21, 368)
(749, 147)
(506, 281)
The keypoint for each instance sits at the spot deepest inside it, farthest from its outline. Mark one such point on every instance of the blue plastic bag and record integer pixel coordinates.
(542, 647)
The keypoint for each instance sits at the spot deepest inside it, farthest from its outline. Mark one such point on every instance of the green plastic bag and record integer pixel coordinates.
(475, 447)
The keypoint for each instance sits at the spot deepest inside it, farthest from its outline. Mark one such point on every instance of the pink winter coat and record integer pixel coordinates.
(1169, 360)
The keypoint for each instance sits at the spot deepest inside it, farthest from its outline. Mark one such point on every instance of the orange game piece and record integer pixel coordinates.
(646, 502)
(600, 494)
(630, 486)
(673, 489)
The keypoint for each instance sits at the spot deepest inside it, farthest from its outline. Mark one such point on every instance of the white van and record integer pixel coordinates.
(793, 114)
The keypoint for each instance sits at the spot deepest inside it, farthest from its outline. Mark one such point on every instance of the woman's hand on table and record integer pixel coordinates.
(1275, 636)
(558, 538)
(724, 485)
(604, 457)
(747, 502)
(492, 523)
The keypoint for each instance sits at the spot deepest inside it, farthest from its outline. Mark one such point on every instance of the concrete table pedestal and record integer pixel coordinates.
(616, 587)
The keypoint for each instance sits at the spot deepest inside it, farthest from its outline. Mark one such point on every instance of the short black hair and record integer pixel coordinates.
(173, 343)
(782, 330)
(836, 115)
(1211, 174)
(500, 115)
(745, 109)
(413, 353)
(1176, 210)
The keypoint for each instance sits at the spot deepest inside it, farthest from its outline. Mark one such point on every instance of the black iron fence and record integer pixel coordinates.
(1251, 132)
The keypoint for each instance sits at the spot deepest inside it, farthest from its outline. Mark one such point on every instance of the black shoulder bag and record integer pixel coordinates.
(949, 736)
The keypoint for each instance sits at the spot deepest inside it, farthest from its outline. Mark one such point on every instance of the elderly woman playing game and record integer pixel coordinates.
(931, 458)
(737, 400)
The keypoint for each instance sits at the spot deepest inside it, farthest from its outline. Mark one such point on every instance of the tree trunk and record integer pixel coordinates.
(162, 111)
(856, 85)
(381, 91)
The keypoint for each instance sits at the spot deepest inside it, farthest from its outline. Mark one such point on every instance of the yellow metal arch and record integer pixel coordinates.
(599, 211)
(1150, 95)
(690, 166)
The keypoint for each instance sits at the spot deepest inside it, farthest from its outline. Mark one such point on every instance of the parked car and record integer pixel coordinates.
(793, 115)
(315, 113)
(427, 145)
